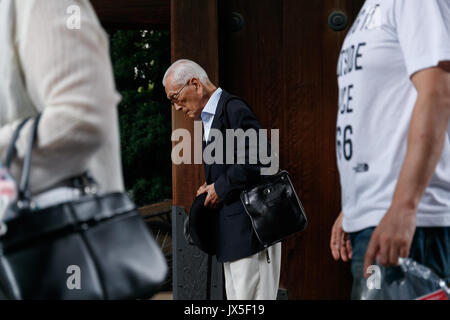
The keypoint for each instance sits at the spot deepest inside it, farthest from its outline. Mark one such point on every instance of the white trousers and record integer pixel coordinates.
(254, 278)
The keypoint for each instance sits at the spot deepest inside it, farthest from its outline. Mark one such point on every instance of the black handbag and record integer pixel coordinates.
(94, 247)
(275, 209)
(272, 205)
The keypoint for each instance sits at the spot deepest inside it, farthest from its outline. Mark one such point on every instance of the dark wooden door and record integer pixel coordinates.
(283, 62)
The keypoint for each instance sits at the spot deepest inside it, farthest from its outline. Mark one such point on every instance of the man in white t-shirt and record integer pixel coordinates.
(393, 137)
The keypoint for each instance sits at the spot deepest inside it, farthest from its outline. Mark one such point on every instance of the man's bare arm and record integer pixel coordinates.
(393, 237)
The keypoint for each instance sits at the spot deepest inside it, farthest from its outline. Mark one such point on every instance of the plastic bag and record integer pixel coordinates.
(409, 281)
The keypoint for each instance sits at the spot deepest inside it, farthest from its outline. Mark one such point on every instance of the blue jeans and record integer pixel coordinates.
(430, 247)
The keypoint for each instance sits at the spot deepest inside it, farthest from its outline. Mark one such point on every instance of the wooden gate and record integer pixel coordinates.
(280, 56)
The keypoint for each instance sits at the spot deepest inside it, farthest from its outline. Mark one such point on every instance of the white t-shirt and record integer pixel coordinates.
(389, 42)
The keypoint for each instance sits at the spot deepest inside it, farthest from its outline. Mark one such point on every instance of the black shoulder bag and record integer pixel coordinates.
(272, 205)
(94, 247)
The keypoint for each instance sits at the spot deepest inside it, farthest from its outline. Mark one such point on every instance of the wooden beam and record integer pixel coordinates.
(133, 14)
(194, 36)
(156, 208)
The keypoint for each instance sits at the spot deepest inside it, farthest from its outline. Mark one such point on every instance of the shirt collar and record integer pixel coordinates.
(211, 106)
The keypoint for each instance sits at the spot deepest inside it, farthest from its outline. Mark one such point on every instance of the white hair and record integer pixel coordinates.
(183, 70)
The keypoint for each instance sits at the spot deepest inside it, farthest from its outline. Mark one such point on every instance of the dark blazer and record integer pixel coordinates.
(235, 238)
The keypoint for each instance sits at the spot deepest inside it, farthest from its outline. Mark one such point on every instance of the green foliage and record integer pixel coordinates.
(140, 59)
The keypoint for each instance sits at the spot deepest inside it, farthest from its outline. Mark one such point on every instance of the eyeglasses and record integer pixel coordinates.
(173, 99)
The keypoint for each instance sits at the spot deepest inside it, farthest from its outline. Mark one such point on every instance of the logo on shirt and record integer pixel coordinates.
(368, 19)
(361, 167)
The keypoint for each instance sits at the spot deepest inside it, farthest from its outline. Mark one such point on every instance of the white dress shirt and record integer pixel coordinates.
(67, 75)
(209, 112)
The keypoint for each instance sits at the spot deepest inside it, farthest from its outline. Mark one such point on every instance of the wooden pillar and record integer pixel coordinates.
(194, 32)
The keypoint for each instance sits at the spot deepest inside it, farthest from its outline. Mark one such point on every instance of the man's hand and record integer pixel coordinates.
(201, 190)
(340, 244)
(392, 238)
(427, 135)
(212, 200)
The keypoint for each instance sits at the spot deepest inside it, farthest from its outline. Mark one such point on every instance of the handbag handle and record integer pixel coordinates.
(11, 152)
(24, 194)
(85, 181)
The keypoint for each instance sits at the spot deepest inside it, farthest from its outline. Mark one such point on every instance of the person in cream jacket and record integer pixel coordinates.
(65, 73)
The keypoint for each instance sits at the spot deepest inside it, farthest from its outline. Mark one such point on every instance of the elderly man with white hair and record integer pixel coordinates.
(251, 271)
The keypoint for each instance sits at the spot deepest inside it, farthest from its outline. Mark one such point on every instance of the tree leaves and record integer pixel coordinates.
(140, 59)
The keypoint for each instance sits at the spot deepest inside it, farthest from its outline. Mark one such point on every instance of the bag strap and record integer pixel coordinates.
(11, 151)
(84, 182)
(24, 194)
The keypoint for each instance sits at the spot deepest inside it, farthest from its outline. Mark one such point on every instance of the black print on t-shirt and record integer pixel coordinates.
(350, 59)
(344, 143)
(361, 167)
(345, 99)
